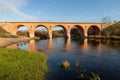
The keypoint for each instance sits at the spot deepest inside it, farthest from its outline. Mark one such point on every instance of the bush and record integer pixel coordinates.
(113, 30)
(22, 65)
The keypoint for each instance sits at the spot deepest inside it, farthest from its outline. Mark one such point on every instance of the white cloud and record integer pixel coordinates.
(13, 7)
(17, 3)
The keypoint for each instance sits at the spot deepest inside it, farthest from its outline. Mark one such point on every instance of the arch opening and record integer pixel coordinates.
(77, 32)
(93, 30)
(59, 31)
(41, 31)
(22, 31)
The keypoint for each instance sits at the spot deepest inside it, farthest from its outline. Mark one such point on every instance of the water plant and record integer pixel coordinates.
(65, 64)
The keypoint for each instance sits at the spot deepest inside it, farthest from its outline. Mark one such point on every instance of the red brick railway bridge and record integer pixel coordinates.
(84, 27)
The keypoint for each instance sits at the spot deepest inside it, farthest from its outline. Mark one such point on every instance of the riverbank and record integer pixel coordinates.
(4, 42)
(105, 37)
(22, 65)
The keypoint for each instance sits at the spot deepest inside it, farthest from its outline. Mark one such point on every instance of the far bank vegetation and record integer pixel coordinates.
(112, 32)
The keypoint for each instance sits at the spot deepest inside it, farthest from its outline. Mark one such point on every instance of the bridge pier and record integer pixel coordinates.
(31, 35)
(50, 36)
(31, 32)
(68, 36)
(86, 35)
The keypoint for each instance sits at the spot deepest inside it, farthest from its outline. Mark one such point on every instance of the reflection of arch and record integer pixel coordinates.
(68, 44)
(50, 43)
(80, 30)
(61, 26)
(32, 46)
(94, 43)
(93, 30)
(81, 42)
(85, 46)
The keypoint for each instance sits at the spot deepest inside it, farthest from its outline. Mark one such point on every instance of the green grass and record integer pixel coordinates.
(22, 65)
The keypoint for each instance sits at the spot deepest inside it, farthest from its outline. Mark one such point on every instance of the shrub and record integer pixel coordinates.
(113, 30)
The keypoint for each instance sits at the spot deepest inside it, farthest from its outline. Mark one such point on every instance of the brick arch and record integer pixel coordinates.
(95, 30)
(47, 33)
(43, 26)
(81, 29)
(16, 27)
(62, 27)
(19, 26)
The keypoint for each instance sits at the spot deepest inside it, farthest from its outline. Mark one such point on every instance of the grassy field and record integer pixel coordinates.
(22, 65)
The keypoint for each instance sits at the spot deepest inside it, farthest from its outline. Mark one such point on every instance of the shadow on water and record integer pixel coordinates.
(112, 43)
(93, 56)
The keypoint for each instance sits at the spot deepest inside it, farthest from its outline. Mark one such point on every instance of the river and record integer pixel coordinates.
(101, 57)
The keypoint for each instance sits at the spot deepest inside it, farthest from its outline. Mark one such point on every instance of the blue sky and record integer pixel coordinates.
(59, 10)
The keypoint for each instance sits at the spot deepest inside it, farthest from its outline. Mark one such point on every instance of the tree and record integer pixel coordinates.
(105, 22)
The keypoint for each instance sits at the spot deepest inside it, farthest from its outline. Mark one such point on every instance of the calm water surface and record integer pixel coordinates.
(101, 57)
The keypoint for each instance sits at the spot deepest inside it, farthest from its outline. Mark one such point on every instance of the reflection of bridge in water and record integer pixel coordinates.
(67, 44)
(31, 45)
